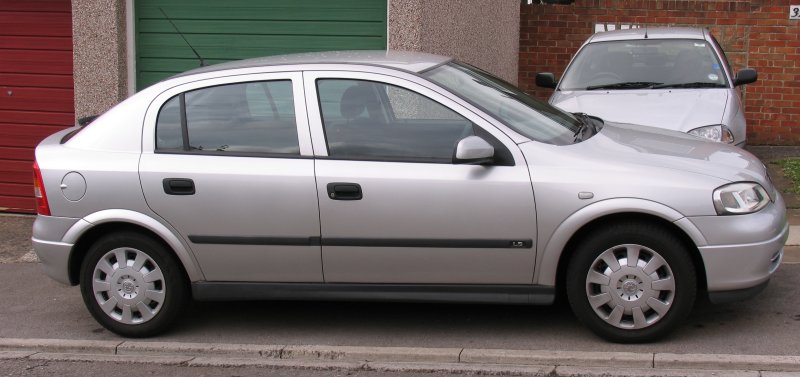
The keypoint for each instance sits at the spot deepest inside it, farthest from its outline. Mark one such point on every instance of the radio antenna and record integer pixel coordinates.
(202, 62)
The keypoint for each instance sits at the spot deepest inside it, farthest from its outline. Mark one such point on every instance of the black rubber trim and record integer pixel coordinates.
(432, 243)
(273, 241)
(723, 297)
(184, 126)
(364, 242)
(196, 152)
(463, 293)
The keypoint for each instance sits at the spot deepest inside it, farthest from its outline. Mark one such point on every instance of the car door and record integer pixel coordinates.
(394, 208)
(230, 168)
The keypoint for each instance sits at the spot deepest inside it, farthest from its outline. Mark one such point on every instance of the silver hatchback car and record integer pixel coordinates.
(394, 176)
(673, 78)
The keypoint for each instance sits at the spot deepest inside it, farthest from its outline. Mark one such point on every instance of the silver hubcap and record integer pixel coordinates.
(630, 286)
(128, 285)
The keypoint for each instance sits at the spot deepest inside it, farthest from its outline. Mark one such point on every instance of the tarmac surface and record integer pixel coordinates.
(47, 329)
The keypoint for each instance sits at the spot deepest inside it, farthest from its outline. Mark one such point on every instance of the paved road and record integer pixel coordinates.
(34, 306)
(34, 368)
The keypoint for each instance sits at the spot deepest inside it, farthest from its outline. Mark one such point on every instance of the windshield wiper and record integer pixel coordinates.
(625, 85)
(690, 85)
(587, 122)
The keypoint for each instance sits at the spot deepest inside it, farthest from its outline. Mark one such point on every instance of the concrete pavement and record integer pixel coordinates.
(415, 359)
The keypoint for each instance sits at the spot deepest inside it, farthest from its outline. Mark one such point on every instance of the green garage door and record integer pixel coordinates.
(239, 29)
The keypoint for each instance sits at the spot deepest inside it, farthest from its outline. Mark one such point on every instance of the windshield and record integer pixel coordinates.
(518, 110)
(645, 64)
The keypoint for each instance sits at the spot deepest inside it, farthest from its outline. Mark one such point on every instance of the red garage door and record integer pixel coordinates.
(36, 89)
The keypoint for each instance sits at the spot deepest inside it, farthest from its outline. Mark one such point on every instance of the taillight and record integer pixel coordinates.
(38, 191)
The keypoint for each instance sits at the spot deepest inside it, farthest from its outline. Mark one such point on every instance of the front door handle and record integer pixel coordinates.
(344, 191)
(178, 186)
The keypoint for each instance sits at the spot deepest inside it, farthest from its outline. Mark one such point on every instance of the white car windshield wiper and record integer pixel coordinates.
(587, 125)
(691, 85)
(625, 85)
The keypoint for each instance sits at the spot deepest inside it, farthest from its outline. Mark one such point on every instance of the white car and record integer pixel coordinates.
(394, 176)
(673, 78)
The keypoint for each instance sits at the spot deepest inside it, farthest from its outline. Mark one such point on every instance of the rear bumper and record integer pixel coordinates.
(47, 240)
(55, 259)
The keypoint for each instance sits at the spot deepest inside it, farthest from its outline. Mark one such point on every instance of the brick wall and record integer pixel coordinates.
(755, 34)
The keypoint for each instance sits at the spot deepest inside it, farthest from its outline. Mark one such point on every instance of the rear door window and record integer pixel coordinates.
(243, 118)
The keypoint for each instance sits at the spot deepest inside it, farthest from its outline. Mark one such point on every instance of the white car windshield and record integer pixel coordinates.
(645, 64)
(527, 115)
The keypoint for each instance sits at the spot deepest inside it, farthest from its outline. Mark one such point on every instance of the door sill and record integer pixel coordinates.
(441, 293)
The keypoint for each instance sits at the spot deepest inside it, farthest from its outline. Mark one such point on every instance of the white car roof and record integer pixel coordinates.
(650, 32)
(404, 60)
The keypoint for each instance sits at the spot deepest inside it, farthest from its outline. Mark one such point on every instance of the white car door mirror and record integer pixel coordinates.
(473, 150)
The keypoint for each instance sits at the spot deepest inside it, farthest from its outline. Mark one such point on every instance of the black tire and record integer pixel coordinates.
(629, 287)
(138, 302)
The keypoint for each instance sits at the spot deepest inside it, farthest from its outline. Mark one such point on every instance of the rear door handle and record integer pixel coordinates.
(178, 186)
(344, 191)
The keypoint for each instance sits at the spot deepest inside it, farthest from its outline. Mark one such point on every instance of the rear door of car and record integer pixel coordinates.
(228, 163)
(394, 208)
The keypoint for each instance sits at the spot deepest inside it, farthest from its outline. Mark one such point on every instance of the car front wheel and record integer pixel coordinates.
(132, 284)
(631, 282)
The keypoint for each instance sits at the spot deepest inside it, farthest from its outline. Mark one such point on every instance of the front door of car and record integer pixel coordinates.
(232, 172)
(394, 208)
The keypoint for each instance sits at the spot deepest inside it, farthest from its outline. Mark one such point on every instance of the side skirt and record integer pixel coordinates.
(442, 293)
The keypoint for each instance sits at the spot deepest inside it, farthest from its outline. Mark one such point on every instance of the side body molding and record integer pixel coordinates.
(136, 218)
(549, 255)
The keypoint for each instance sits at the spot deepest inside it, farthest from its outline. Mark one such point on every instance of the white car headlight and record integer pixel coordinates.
(716, 132)
(740, 198)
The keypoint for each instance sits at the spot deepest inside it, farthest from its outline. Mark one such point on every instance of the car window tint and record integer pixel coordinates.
(168, 126)
(254, 117)
(371, 120)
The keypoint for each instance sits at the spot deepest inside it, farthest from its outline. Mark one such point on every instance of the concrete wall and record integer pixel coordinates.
(99, 55)
(484, 33)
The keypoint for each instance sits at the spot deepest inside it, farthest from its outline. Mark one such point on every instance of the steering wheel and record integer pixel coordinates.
(605, 78)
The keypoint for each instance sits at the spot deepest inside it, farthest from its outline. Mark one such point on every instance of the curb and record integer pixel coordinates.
(408, 359)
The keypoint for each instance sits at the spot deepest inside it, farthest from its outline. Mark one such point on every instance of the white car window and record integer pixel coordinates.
(372, 120)
(253, 117)
(636, 64)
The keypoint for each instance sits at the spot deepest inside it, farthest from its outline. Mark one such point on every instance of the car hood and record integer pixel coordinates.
(673, 109)
(621, 146)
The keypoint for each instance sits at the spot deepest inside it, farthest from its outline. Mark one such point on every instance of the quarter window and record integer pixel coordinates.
(253, 117)
(371, 120)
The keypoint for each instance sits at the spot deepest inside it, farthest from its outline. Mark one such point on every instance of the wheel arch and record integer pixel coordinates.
(558, 250)
(84, 233)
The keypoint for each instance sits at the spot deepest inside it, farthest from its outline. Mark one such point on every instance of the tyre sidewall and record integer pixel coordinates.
(657, 239)
(174, 279)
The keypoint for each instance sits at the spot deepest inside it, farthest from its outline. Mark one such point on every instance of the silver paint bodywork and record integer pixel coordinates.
(543, 197)
(674, 108)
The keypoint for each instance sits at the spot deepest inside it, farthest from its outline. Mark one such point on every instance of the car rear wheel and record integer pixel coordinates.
(132, 285)
(631, 283)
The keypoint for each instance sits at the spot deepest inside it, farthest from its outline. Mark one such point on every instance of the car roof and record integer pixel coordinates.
(403, 60)
(649, 33)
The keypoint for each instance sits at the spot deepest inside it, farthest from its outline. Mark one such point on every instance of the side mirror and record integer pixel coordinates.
(546, 80)
(473, 150)
(745, 76)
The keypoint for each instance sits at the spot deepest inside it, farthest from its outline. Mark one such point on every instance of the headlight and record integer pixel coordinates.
(716, 132)
(740, 198)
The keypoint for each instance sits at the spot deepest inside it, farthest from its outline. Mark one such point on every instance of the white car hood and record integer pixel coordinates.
(672, 109)
(654, 147)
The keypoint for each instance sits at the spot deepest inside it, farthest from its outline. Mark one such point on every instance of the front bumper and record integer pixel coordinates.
(742, 251)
